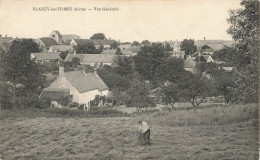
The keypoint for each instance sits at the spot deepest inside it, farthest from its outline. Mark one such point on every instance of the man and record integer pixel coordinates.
(144, 131)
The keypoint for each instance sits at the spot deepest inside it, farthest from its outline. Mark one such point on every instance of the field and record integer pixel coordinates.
(206, 133)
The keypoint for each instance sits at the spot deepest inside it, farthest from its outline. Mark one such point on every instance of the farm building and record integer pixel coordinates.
(46, 57)
(95, 60)
(82, 86)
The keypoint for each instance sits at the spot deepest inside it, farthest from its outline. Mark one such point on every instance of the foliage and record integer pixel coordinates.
(135, 43)
(118, 51)
(114, 45)
(75, 61)
(145, 42)
(63, 55)
(244, 29)
(98, 36)
(226, 54)
(138, 95)
(188, 46)
(194, 88)
(206, 67)
(125, 67)
(49, 68)
(148, 59)
(112, 79)
(20, 69)
(171, 95)
(88, 48)
(168, 47)
(224, 82)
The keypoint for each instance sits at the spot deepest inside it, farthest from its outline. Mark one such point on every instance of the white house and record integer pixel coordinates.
(81, 85)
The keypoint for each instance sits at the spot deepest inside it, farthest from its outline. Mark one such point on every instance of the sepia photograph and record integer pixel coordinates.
(129, 80)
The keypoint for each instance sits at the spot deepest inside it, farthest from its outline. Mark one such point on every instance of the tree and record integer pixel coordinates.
(171, 95)
(138, 95)
(226, 54)
(118, 51)
(244, 29)
(75, 61)
(20, 69)
(63, 55)
(135, 43)
(224, 82)
(112, 79)
(168, 47)
(98, 36)
(145, 42)
(148, 59)
(114, 45)
(88, 48)
(125, 67)
(188, 46)
(194, 88)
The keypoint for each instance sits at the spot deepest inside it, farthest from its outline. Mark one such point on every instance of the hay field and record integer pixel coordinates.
(115, 138)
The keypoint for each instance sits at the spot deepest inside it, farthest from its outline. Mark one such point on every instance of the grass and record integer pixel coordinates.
(233, 136)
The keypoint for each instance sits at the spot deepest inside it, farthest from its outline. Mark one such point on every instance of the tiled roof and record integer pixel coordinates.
(95, 41)
(46, 56)
(85, 82)
(214, 44)
(92, 58)
(62, 48)
(48, 41)
(54, 93)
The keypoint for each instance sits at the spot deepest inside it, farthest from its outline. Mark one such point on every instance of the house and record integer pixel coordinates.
(212, 45)
(68, 37)
(82, 86)
(95, 60)
(46, 57)
(190, 63)
(45, 43)
(178, 54)
(61, 48)
(208, 58)
(125, 45)
(63, 38)
(97, 42)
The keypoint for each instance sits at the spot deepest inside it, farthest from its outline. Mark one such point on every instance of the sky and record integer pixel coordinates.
(155, 20)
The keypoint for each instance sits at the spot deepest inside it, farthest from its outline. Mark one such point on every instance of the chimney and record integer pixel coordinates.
(61, 71)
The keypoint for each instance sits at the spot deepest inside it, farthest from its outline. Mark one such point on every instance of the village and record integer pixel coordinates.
(81, 85)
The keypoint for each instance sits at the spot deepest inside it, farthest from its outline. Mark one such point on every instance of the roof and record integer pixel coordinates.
(92, 58)
(214, 44)
(62, 48)
(95, 41)
(190, 62)
(69, 37)
(5, 45)
(58, 33)
(206, 57)
(48, 41)
(54, 93)
(46, 56)
(109, 51)
(85, 82)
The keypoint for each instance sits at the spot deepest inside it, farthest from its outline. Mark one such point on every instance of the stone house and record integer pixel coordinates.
(83, 87)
